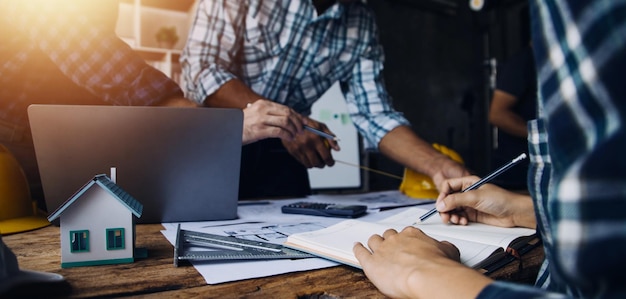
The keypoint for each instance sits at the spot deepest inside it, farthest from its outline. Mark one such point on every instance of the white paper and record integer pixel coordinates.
(264, 221)
(483, 233)
(475, 241)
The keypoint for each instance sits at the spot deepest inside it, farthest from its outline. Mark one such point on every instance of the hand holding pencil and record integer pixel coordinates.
(321, 133)
(314, 145)
(490, 204)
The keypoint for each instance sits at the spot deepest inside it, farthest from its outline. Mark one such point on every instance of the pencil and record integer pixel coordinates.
(482, 181)
(320, 133)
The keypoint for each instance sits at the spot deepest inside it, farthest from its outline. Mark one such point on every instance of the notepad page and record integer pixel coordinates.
(337, 241)
(475, 232)
(472, 253)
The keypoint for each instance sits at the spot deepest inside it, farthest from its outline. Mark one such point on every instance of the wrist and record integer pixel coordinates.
(524, 214)
(441, 167)
(435, 165)
(434, 281)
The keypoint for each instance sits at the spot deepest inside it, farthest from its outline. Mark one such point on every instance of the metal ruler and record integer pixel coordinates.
(227, 248)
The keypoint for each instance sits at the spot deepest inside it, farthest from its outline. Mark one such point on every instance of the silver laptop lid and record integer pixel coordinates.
(182, 164)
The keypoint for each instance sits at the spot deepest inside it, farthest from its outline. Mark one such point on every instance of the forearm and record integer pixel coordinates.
(406, 148)
(510, 123)
(209, 58)
(263, 119)
(501, 114)
(232, 94)
(177, 102)
(447, 279)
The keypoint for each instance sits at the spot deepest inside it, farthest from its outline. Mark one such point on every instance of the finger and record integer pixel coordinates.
(458, 200)
(315, 152)
(455, 216)
(453, 211)
(305, 158)
(450, 250)
(324, 152)
(283, 116)
(336, 146)
(283, 123)
(291, 119)
(294, 120)
(455, 185)
(277, 132)
(362, 254)
(458, 219)
(374, 241)
(447, 187)
(412, 231)
(314, 155)
(261, 125)
(332, 142)
(274, 127)
(360, 249)
(390, 232)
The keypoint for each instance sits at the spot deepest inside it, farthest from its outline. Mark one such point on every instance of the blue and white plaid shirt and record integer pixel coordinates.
(578, 174)
(287, 53)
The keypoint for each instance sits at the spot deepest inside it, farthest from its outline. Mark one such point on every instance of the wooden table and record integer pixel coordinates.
(155, 276)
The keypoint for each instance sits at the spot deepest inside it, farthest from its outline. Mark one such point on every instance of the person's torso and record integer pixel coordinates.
(27, 77)
(293, 56)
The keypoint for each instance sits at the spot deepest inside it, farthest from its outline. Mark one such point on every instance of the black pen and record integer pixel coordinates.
(486, 179)
(320, 133)
(386, 208)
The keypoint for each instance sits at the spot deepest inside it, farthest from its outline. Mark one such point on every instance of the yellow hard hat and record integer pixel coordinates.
(18, 212)
(418, 185)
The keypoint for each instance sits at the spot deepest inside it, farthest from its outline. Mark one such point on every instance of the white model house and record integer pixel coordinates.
(97, 225)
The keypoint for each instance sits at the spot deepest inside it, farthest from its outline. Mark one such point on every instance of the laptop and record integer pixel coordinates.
(181, 164)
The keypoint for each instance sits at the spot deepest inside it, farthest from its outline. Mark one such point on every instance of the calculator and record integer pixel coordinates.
(325, 209)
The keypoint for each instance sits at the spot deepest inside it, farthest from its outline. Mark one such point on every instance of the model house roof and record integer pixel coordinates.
(103, 181)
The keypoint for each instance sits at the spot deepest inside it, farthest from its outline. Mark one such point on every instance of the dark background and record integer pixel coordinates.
(438, 71)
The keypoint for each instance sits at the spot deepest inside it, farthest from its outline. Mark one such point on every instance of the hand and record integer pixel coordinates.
(403, 146)
(310, 149)
(488, 204)
(398, 262)
(448, 169)
(265, 119)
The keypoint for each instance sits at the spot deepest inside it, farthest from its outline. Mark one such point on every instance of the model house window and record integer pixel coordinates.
(115, 238)
(79, 240)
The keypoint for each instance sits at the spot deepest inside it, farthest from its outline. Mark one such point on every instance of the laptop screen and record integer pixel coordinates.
(181, 164)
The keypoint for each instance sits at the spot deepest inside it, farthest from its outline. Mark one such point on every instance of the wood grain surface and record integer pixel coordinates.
(156, 276)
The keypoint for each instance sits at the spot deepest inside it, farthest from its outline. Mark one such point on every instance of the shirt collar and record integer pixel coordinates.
(335, 11)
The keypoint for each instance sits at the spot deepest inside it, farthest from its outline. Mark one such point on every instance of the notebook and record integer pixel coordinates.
(480, 245)
(181, 164)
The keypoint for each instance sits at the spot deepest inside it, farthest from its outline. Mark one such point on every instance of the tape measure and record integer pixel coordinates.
(226, 248)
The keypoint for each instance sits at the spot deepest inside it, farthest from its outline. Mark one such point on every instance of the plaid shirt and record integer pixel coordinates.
(287, 53)
(578, 177)
(66, 52)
